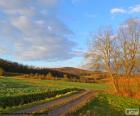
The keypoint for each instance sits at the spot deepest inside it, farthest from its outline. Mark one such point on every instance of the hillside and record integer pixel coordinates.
(75, 71)
(14, 67)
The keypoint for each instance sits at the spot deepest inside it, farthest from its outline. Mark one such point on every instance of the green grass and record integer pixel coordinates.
(19, 85)
(16, 86)
(101, 105)
(108, 105)
(59, 84)
(12, 87)
(7, 82)
(30, 105)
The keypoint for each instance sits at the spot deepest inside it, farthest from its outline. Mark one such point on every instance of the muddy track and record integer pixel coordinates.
(58, 107)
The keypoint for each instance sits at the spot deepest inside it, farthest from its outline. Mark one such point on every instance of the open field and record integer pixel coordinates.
(58, 84)
(13, 87)
(18, 92)
(14, 92)
(69, 58)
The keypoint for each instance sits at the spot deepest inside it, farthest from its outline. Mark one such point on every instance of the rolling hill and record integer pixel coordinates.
(14, 67)
(74, 71)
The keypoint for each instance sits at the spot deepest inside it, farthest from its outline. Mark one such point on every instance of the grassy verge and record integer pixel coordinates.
(107, 105)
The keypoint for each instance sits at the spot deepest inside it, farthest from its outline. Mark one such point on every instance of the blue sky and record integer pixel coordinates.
(55, 33)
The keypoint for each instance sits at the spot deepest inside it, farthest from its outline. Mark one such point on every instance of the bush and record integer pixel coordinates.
(129, 87)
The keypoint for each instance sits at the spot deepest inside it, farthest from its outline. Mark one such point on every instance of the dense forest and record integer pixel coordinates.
(13, 67)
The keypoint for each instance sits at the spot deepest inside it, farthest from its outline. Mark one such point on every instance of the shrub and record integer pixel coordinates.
(129, 87)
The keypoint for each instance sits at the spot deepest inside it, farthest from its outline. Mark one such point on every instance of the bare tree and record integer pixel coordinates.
(129, 36)
(116, 58)
(117, 53)
(101, 51)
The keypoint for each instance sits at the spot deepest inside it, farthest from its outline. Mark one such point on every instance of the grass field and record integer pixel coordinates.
(107, 105)
(22, 89)
(48, 84)
(16, 86)
(11, 87)
(18, 91)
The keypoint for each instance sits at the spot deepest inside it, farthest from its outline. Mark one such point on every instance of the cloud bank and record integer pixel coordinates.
(30, 30)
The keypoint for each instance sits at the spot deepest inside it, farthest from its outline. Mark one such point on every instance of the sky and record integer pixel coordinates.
(56, 33)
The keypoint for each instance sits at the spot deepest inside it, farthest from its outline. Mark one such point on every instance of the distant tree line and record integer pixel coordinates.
(14, 67)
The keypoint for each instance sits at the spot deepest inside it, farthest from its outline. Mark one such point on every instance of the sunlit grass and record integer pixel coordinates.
(59, 84)
(107, 105)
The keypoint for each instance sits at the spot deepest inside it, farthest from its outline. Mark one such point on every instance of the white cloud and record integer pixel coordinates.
(135, 9)
(29, 34)
(117, 10)
(132, 9)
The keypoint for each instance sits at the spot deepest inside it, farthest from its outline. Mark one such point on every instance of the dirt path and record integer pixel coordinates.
(59, 107)
(71, 105)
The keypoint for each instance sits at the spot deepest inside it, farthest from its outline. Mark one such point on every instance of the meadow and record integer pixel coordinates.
(11, 87)
(61, 84)
(18, 91)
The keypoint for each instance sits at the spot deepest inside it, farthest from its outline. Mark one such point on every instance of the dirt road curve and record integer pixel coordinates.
(61, 106)
(72, 105)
